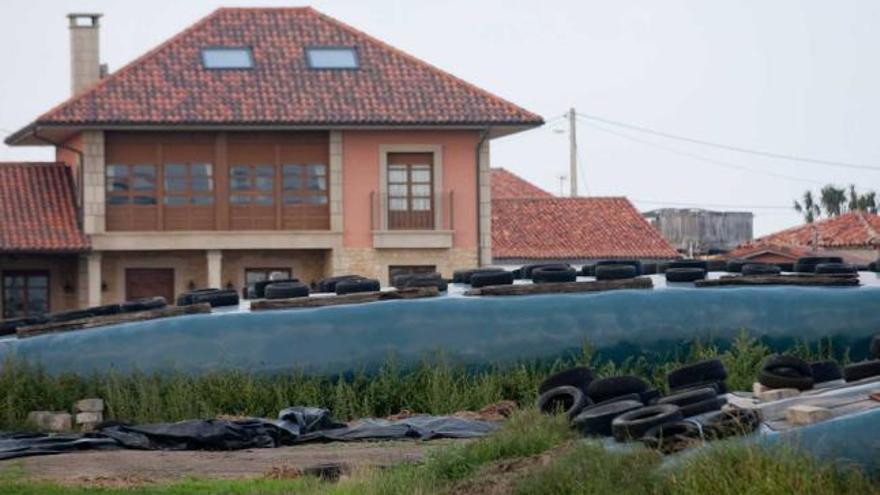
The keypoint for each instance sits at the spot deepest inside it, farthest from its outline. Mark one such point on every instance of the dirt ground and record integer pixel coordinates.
(132, 467)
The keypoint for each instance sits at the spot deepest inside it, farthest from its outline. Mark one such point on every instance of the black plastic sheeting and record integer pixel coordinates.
(295, 425)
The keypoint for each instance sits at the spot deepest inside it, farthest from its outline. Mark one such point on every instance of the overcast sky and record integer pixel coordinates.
(785, 76)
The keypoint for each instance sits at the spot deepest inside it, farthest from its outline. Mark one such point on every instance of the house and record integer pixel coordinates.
(762, 252)
(531, 225)
(256, 140)
(855, 236)
(697, 231)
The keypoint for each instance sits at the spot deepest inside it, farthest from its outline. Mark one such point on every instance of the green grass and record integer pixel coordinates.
(434, 386)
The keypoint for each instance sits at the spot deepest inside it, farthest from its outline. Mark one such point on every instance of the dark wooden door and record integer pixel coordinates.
(149, 282)
(410, 191)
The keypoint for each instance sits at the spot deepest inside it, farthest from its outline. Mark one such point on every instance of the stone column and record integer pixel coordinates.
(485, 206)
(93, 279)
(215, 268)
(335, 181)
(93, 179)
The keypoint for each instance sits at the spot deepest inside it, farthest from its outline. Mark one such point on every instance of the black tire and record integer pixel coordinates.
(702, 407)
(588, 270)
(411, 280)
(650, 396)
(260, 287)
(578, 377)
(864, 369)
(9, 326)
(73, 314)
(760, 269)
(568, 400)
(630, 397)
(730, 422)
(145, 304)
(528, 270)
(491, 278)
(553, 274)
(286, 290)
(596, 420)
(517, 274)
(701, 264)
(668, 436)
(351, 286)
(835, 269)
(329, 284)
(736, 266)
(633, 425)
(874, 347)
(616, 272)
(873, 266)
(719, 386)
(707, 370)
(807, 264)
(105, 310)
(825, 371)
(220, 298)
(685, 274)
(615, 386)
(464, 276)
(689, 397)
(786, 361)
(636, 264)
(775, 379)
(186, 298)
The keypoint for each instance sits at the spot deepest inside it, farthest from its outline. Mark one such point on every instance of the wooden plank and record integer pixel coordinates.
(803, 280)
(561, 287)
(357, 298)
(100, 321)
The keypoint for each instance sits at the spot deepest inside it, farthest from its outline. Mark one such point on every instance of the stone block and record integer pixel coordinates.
(89, 405)
(50, 420)
(777, 394)
(88, 420)
(806, 415)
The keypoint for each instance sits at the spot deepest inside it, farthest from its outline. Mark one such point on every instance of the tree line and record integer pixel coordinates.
(833, 201)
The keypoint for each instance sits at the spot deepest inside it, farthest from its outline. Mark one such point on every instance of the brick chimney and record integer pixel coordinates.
(85, 57)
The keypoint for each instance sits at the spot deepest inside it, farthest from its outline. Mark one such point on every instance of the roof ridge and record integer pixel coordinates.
(417, 60)
(127, 67)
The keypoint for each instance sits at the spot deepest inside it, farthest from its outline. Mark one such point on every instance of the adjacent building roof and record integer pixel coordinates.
(170, 85)
(851, 230)
(39, 209)
(573, 229)
(754, 249)
(506, 184)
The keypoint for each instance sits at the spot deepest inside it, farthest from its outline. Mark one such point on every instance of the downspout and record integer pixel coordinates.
(79, 172)
(484, 135)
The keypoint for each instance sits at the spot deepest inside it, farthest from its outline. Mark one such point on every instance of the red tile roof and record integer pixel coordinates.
(853, 229)
(573, 228)
(506, 185)
(754, 248)
(169, 85)
(38, 209)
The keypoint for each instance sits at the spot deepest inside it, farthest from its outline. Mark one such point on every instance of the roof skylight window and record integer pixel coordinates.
(227, 58)
(332, 57)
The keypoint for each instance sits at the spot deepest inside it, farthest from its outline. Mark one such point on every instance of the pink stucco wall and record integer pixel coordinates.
(360, 172)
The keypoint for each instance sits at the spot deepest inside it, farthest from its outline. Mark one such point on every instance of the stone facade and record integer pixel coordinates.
(190, 268)
(374, 263)
(307, 265)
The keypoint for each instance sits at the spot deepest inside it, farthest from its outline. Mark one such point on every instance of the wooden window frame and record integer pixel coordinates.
(26, 274)
(252, 192)
(437, 175)
(409, 269)
(188, 192)
(267, 271)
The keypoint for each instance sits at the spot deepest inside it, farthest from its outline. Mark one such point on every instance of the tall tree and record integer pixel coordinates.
(808, 208)
(833, 200)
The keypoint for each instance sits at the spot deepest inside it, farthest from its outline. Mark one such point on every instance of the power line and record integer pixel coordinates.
(701, 157)
(728, 147)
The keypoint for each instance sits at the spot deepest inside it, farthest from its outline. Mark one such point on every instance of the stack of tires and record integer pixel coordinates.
(257, 290)
(348, 284)
(760, 269)
(808, 264)
(617, 269)
(285, 289)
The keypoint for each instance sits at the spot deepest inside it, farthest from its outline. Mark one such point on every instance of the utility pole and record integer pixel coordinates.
(561, 184)
(572, 142)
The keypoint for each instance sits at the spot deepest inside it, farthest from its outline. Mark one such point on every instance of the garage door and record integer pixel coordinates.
(149, 282)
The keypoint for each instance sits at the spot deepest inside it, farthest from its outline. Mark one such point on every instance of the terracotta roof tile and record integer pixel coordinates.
(38, 209)
(853, 229)
(574, 228)
(506, 185)
(169, 85)
(755, 248)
